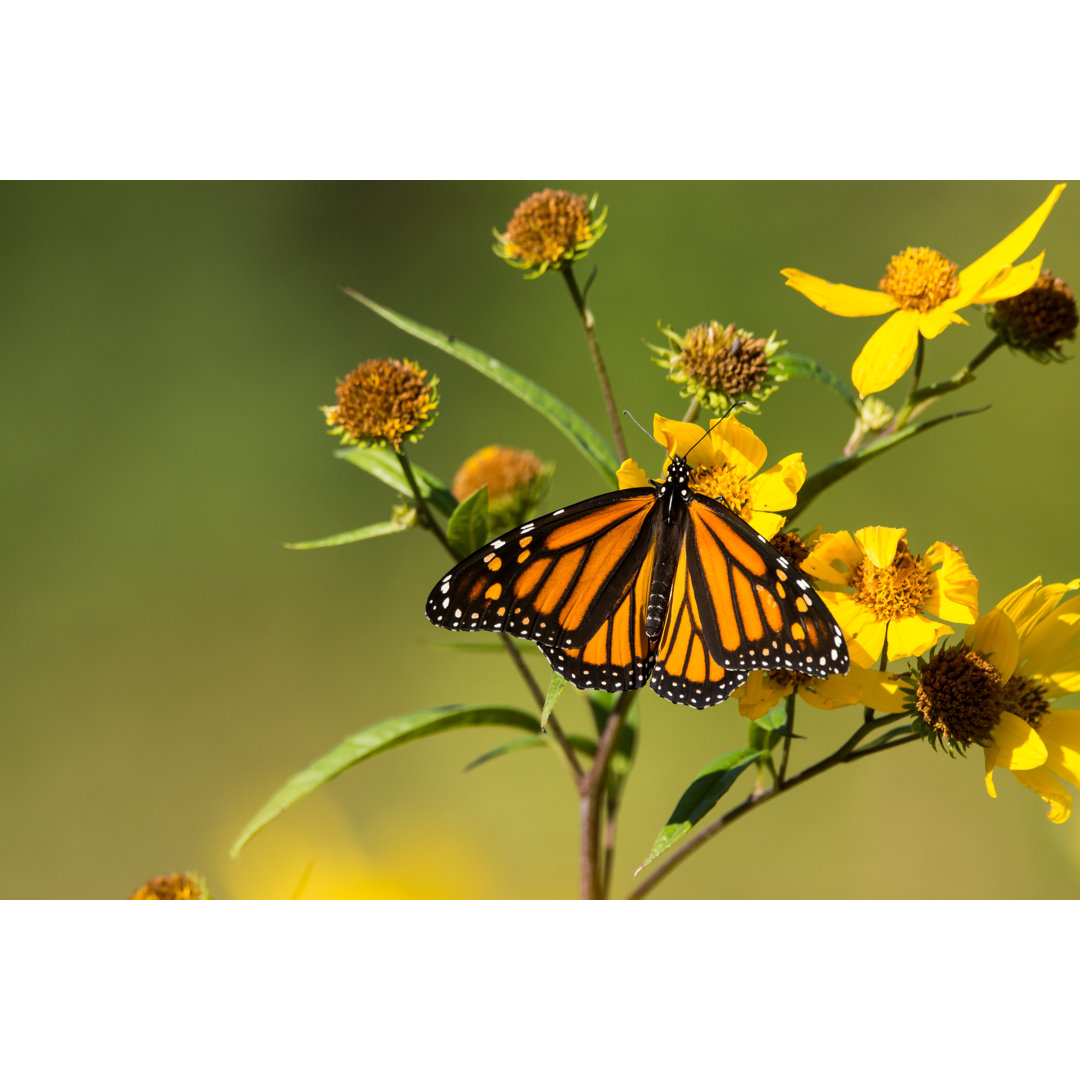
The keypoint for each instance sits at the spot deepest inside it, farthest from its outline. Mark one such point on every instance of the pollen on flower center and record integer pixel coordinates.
(382, 401)
(547, 226)
(721, 482)
(895, 591)
(959, 694)
(920, 278)
(1027, 699)
(723, 358)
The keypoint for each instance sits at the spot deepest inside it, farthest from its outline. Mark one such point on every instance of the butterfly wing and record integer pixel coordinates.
(575, 581)
(755, 608)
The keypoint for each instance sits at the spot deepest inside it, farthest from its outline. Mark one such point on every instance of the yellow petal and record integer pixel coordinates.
(865, 645)
(914, 635)
(954, 588)
(759, 694)
(766, 524)
(932, 322)
(1060, 730)
(1012, 282)
(882, 691)
(995, 637)
(1046, 786)
(975, 277)
(835, 692)
(777, 488)
(678, 438)
(1032, 602)
(1051, 648)
(1017, 743)
(631, 475)
(737, 446)
(888, 353)
(990, 757)
(834, 558)
(880, 543)
(839, 299)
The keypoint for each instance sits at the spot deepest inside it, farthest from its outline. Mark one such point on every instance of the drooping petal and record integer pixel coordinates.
(865, 645)
(954, 588)
(1012, 282)
(834, 558)
(1032, 602)
(631, 475)
(934, 321)
(1046, 785)
(882, 691)
(995, 637)
(990, 758)
(839, 299)
(759, 694)
(677, 438)
(835, 692)
(777, 488)
(1017, 743)
(888, 353)
(1051, 649)
(914, 635)
(737, 446)
(974, 278)
(1060, 730)
(879, 542)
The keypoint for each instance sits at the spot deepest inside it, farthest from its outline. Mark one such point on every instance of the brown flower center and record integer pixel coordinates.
(1041, 316)
(170, 887)
(959, 694)
(895, 591)
(722, 482)
(1027, 699)
(547, 226)
(920, 279)
(721, 358)
(382, 400)
(792, 546)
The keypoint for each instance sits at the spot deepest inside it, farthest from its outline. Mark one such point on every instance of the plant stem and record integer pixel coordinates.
(789, 731)
(844, 754)
(515, 656)
(591, 789)
(589, 323)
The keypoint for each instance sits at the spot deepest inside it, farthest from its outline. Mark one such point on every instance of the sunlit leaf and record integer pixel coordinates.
(468, 525)
(785, 365)
(375, 740)
(708, 787)
(573, 426)
(384, 465)
(555, 688)
(365, 532)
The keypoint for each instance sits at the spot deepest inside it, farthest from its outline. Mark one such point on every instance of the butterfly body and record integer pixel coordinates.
(658, 584)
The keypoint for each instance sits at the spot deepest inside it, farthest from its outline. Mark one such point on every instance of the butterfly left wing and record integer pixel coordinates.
(756, 609)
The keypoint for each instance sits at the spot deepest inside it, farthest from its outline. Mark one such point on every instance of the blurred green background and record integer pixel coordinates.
(165, 348)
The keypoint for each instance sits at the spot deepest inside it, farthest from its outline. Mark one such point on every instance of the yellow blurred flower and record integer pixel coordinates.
(172, 887)
(896, 597)
(724, 465)
(924, 291)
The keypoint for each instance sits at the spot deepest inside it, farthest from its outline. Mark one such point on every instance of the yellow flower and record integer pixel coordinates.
(924, 292)
(516, 480)
(548, 230)
(763, 690)
(381, 402)
(1033, 638)
(172, 887)
(893, 593)
(724, 465)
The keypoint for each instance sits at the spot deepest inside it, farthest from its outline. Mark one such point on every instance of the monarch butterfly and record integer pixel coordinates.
(651, 584)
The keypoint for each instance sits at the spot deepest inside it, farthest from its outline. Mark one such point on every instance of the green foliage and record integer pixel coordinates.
(467, 528)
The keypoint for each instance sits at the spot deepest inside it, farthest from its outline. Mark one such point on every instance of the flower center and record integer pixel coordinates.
(1040, 317)
(722, 482)
(382, 400)
(1027, 699)
(721, 358)
(960, 696)
(792, 546)
(920, 278)
(895, 591)
(547, 226)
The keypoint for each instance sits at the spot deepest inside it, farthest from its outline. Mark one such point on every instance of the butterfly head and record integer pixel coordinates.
(677, 479)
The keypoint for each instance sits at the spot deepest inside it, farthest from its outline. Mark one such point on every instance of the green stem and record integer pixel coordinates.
(789, 731)
(692, 411)
(844, 754)
(425, 510)
(588, 321)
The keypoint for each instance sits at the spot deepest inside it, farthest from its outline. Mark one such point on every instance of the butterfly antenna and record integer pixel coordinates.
(648, 434)
(727, 412)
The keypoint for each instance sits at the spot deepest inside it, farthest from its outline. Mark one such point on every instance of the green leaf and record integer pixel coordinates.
(573, 426)
(787, 365)
(365, 532)
(467, 528)
(578, 742)
(888, 736)
(384, 465)
(555, 688)
(708, 787)
(766, 731)
(828, 476)
(375, 740)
